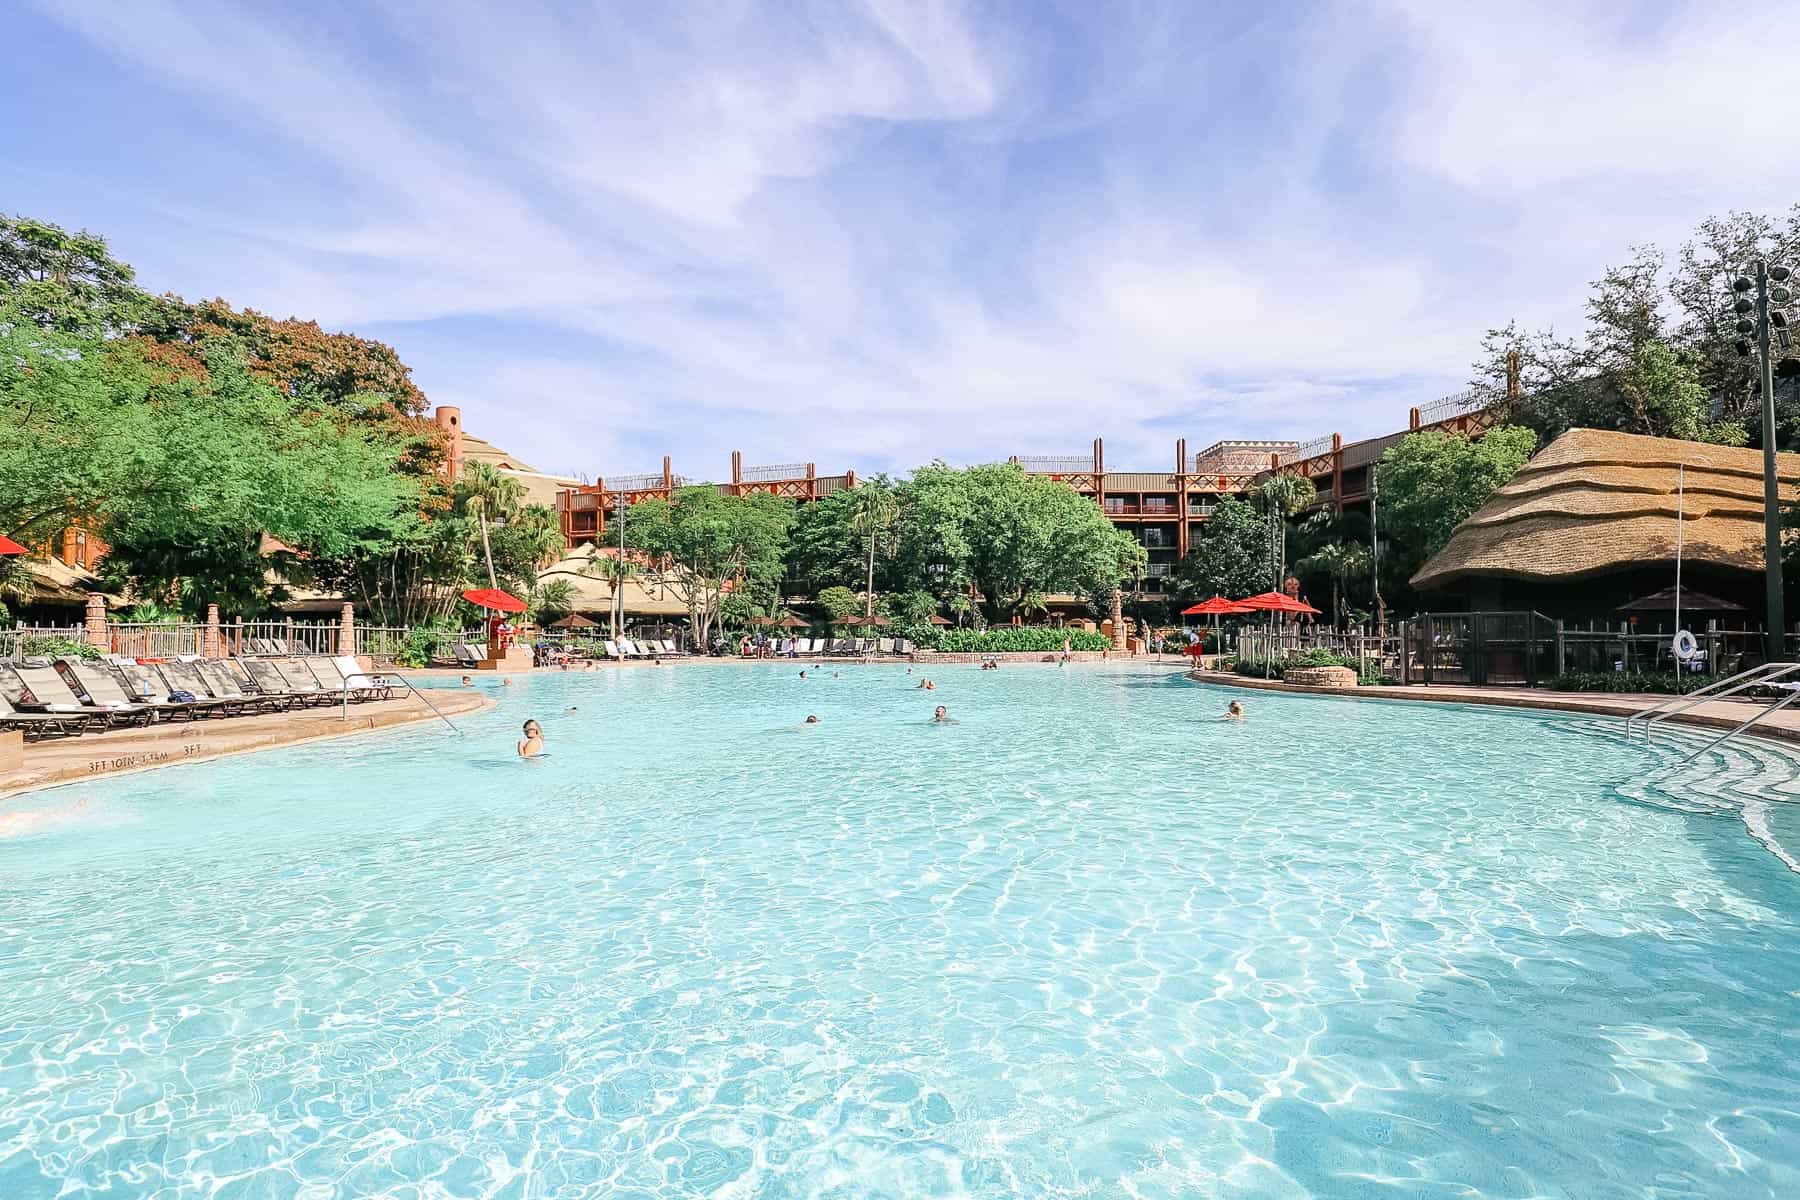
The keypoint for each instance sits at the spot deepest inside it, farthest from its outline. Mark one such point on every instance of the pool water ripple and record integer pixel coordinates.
(1089, 942)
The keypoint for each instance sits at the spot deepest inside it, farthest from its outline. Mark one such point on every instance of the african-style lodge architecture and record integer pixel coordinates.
(1589, 526)
(1165, 511)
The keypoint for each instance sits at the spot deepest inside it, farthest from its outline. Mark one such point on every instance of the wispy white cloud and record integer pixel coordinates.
(869, 234)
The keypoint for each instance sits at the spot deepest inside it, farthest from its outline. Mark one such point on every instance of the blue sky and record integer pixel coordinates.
(870, 234)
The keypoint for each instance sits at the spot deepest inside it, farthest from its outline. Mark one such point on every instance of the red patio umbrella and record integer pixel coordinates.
(1217, 607)
(494, 598)
(8, 546)
(1272, 603)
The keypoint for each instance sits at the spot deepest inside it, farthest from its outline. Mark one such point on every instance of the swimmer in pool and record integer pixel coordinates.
(1233, 712)
(467, 682)
(942, 717)
(810, 720)
(532, 744)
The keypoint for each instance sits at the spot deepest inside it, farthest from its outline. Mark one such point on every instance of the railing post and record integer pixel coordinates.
(347, 629)
(96, 622)
(287, 634)
(211, 647)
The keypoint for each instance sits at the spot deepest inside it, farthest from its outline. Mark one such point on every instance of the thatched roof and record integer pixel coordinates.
(646, 595)
(1594, 502)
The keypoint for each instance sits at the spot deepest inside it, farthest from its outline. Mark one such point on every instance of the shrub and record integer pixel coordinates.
(1003, 639)
(1661, 683)
(57, 647)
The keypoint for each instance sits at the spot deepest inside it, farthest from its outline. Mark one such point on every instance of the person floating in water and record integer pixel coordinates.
(467, 682)
(532, 744)
(803, 674)
(1233, 712)
(811, 719)
(942, 716)
(926, 685)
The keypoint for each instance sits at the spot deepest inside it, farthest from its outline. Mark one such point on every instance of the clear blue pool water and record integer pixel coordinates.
(1086, 943)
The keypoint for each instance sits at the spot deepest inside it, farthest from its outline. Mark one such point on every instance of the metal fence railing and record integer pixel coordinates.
(22, 641)
(155, 639)
(773, 473)
(1451, 407)
(1056, 464)
(1306, 450)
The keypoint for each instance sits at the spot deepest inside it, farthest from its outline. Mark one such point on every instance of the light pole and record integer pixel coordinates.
(1769, 323)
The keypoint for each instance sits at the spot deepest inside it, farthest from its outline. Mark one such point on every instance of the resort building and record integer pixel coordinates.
(1591, 527)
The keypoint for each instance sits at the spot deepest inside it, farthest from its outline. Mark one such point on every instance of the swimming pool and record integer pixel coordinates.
(1087, 942)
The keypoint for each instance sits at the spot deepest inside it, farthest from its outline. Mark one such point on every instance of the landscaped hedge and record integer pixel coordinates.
(1661, 683)
(1004, 639)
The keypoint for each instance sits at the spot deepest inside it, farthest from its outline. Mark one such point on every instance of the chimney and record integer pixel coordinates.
(449, 419)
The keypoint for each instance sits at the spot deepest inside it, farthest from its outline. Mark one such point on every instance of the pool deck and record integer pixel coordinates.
(121, 751)
(1715, 714)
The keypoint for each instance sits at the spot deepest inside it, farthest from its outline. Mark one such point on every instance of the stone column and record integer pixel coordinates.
(347, 629)
(96, 622)
(213, 647)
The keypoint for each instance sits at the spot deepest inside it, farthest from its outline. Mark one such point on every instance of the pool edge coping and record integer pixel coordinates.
(360, 725)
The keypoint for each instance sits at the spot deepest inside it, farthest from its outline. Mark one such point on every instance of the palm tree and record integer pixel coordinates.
(1342, 561)
(615, 571)
(873, 510)
(1283, 495)
(491, 496)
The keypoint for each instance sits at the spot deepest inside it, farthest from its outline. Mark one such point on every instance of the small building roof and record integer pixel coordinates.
(1595, 501)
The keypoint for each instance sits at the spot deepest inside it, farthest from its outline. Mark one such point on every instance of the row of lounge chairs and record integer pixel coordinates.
(70, 695)
(640, 648)
(840, 647)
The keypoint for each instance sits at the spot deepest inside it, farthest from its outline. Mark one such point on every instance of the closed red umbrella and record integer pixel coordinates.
(8, 546)
(494, 598)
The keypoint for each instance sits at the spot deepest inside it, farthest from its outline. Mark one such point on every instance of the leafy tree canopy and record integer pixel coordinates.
(64, 282)
(1009, 534)
(1656, 356)
(1431, 482)
(1231, 557)
(711, 545)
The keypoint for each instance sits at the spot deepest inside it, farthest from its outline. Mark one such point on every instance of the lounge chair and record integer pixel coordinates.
(612, 649)
(270, 683)
(53, 695)
(180, 676)
(145, 686)
(884, 645)
(301, 681)
(362, 684)
(105, 689)
(267, 647)
(226, 684)
(470, 655)
(35, 725)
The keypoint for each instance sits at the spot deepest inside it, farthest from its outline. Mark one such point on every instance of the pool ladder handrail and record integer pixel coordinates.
(388, 680)
(1763, 673)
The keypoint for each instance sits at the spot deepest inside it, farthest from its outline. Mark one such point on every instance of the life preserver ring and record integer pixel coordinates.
(1685, 646)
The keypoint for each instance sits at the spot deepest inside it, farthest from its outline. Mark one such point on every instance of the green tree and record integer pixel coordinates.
(1431, 482)
(1008, 534)
(839, 603)
(67, 283)
(873, 511)
(1341, 562)
(223, 461)
(486, 494)
(616, 570)
(708, 545)
(913, 607)
(1230, 558)
(1283, 496)
(1612, 375)
(551, 600)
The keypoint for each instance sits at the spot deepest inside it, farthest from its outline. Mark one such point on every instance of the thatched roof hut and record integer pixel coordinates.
(1591, 522)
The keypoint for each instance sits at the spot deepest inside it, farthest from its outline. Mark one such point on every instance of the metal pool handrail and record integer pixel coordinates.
(344, 711)
(1765, 673)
